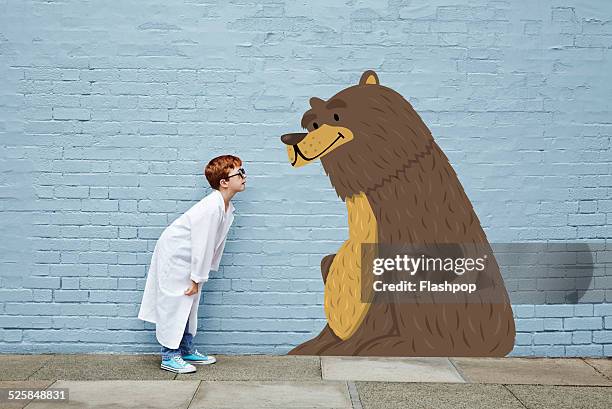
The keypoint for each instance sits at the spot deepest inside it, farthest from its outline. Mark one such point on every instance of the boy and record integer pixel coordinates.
(183, 256)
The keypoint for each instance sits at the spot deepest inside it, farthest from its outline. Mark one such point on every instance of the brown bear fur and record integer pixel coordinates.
(416, 197)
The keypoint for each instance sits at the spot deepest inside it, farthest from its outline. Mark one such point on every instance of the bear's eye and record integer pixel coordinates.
(336, 117)
(315, 125)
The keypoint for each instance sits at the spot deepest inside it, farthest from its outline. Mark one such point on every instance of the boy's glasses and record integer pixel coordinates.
(241, 172)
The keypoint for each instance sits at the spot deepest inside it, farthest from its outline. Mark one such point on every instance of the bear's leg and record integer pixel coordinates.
(317, 345)
(397, 346)
(379, 323)
(326, 262)
(416, 346)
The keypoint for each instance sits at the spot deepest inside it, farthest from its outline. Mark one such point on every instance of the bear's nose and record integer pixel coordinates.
(292, 138)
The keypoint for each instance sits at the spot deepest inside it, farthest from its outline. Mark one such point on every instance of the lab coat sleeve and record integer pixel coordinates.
(217, 257)
(204, 226)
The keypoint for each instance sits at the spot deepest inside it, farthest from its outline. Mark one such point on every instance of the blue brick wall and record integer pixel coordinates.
(108, 113)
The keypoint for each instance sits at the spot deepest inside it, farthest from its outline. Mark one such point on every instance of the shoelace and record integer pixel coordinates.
(180, 360)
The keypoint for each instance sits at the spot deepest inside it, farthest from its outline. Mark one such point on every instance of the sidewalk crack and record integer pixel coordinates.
(596, 370)
(516, 397)
(459, 371)
(194, 395)
(354, 395)
(33, 373)
(321, 366)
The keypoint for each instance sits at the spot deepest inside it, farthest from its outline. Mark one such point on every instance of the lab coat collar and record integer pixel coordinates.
(230, 208)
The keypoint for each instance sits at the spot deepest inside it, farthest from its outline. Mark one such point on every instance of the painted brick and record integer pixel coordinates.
(98, 283)
(602, 337)
(31, 308)
(553, 338)
(42, 295)
(41, 282)
(523, 311)
(11, 335)
(549, 350)
(583, 310)
(69, 295)
(24, 321)
(529, 324)
(553, 324)
(70, 283)
(584, 350)
(71, 113)
(557, 310)
(15, 294)
(582, 323)
(582, 337)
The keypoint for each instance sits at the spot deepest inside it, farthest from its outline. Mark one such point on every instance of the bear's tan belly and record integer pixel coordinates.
(343, 307)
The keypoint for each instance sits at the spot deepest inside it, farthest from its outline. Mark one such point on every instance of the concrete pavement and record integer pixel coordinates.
(258, 381)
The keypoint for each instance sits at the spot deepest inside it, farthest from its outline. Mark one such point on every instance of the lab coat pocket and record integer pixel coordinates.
(175, 277)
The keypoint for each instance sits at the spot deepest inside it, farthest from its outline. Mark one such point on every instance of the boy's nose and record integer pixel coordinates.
(292, 138)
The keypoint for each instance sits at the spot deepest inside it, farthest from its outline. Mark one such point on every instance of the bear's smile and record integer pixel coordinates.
(297, 150)
(303, 148)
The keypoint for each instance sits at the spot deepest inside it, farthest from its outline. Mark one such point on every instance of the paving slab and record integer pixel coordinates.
(537, 371)
(603, 365)
(271, 395)
(393, 395)
(563, 397)
(122, 395)
(19, 404)
(258, 368)
(21, 367)
(389, 369)
(83, 367)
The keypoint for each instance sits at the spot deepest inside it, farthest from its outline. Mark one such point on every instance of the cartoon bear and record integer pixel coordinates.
(399, 188)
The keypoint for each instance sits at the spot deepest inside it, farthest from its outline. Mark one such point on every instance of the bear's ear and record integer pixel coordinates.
(316, 102)
(369, 77)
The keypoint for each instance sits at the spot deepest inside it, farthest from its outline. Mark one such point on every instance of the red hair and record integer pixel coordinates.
(219, 168)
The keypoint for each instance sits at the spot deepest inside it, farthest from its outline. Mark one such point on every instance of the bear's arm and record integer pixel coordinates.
(325, 264)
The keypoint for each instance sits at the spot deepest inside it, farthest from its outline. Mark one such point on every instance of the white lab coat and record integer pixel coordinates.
(186, 250)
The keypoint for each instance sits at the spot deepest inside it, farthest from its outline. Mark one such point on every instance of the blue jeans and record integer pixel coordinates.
(184, 348)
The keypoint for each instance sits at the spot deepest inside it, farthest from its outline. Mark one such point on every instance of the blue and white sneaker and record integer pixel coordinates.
(199, 359)
(177, 364)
